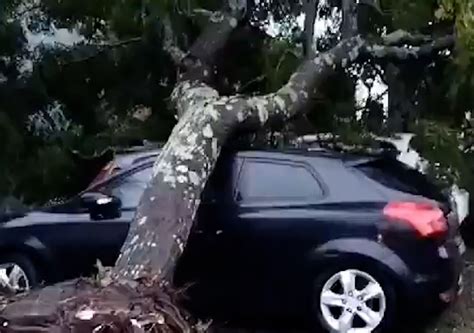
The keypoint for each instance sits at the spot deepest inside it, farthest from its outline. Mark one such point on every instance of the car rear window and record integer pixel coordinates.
(398, 176)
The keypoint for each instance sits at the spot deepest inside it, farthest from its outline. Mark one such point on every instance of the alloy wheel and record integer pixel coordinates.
(13, 276)
(352, 301)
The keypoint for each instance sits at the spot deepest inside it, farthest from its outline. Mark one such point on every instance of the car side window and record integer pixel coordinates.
(130, 188)
(270, 181)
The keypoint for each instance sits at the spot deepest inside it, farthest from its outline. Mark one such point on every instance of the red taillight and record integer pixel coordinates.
(428, 220)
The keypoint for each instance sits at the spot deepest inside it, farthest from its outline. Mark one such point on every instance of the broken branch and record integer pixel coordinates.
(400, 37)
(413, 52)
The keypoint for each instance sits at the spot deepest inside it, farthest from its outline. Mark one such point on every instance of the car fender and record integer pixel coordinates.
(35, 249)
(358, 248)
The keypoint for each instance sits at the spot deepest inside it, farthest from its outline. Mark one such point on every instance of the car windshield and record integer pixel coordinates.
(130, 188)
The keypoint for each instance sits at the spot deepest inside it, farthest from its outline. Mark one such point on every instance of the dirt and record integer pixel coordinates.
(460, 317)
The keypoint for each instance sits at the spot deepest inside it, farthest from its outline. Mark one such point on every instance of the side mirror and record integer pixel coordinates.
(101, 206)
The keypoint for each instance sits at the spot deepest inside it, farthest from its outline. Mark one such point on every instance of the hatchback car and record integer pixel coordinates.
(348, 240)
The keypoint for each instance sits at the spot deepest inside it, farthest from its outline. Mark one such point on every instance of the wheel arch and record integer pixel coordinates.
(35, 251)
(345, 251)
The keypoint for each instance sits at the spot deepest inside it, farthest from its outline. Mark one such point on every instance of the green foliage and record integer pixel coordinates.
(462, 13)
(410, 15)
(442, 145)
(280, 59)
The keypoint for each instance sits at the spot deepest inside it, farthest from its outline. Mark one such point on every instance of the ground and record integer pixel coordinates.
(460, 318)
(42, 307)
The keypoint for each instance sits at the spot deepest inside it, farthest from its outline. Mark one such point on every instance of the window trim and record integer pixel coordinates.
(288, 201)
(118, 179)
(235, 165)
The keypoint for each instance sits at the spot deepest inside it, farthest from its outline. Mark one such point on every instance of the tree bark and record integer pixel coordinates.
(349, 18)
(309, 7)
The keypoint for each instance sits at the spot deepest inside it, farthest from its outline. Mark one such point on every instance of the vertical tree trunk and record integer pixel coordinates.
(349, 18)
(309, 8)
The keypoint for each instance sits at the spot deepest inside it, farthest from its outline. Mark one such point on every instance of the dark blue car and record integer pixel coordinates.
(347, 240)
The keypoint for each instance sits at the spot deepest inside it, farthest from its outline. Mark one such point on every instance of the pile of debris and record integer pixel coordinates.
(88, 305)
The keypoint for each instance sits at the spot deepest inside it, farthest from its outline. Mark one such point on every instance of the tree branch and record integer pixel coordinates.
(103, 48)
(294, 97)
(400, 37)
(28, 10)
(259, 78)
(372, 3)
(377, 98)
(169, 42)
(310, 18)
(214, 37)
(349, 19)
(415, 52)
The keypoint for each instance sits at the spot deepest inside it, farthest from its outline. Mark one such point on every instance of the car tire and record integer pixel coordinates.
(385, 304)
(28, 269)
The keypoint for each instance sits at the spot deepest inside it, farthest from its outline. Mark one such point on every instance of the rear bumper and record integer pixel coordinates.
(437, 291)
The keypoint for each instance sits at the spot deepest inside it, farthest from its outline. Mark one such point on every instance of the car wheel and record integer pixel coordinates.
(354, 300)
(18, 272)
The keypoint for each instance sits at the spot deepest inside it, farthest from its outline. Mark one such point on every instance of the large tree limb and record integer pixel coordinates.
(411, 52)
(215, 36)
(104, 47)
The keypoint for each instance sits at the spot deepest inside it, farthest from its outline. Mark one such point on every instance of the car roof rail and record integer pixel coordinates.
(331, 143)
(147, 146)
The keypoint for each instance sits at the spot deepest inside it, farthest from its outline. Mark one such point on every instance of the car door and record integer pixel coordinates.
(110, 234)
(204, 264)
(275, 222)
(78, 241)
